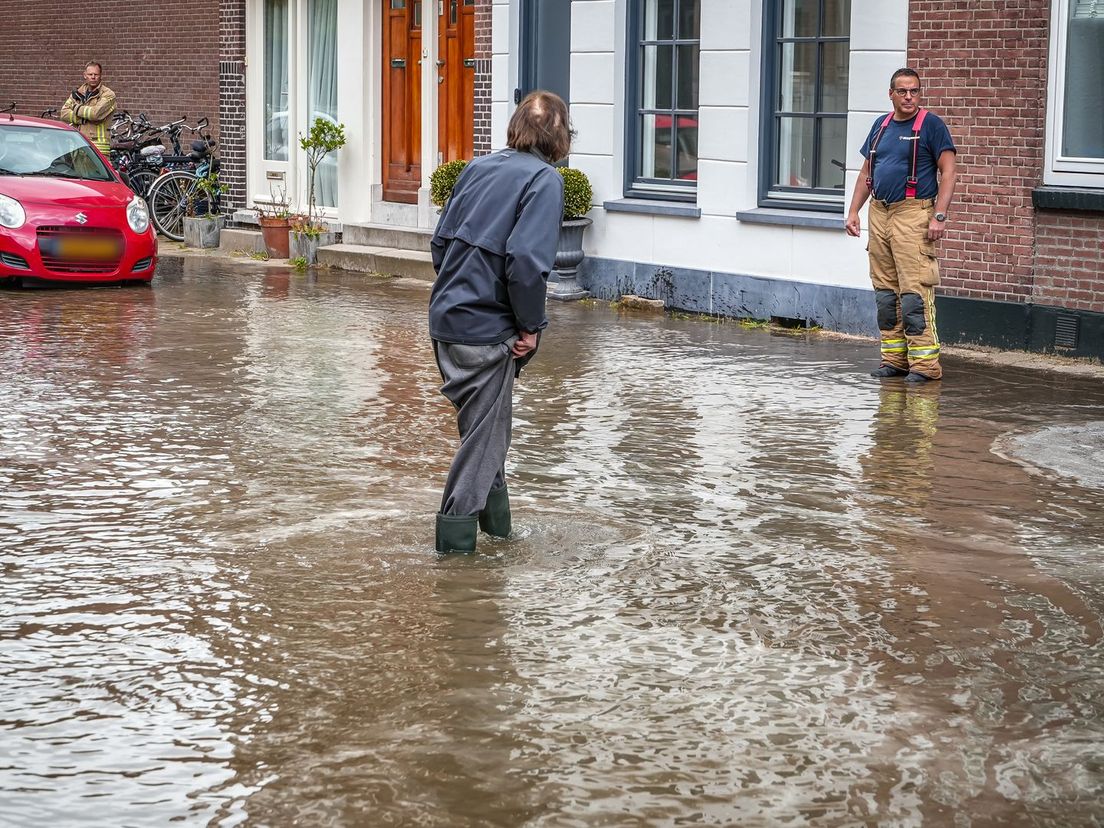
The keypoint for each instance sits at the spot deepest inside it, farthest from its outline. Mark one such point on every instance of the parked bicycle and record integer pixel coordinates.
(177, 193)
(139, 153)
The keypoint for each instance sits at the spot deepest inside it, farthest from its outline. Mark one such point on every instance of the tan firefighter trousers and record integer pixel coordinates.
(904, 271)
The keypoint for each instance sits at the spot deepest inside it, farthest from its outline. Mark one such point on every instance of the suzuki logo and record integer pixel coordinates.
(81, 218)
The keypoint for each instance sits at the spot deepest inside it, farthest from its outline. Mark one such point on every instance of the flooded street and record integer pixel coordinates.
(751, 585)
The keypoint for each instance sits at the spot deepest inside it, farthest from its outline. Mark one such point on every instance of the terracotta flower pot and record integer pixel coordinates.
(275, 233)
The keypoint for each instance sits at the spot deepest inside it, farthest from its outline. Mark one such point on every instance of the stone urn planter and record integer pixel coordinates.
(569, 254)
(203, 231)
(274, 230)
(305, 245)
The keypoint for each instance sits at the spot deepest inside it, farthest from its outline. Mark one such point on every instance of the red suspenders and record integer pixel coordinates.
(910, 182)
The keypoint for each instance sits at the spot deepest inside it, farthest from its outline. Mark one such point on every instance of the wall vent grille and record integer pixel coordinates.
(1065, 331)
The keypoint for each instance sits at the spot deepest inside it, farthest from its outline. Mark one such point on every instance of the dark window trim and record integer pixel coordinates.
(1051, 197)
(820, 201)
(634, 79)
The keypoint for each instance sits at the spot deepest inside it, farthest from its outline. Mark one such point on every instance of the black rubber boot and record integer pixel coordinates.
(915, 377)
(888, 371)
(456, 533)
(495, 517)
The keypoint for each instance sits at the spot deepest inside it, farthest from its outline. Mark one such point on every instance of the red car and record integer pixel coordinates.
(65, 216)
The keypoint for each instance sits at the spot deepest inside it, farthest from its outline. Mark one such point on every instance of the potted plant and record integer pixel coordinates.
(442, 181)
(324, 137)
(203, 222)
(577, 197)
(274, 216)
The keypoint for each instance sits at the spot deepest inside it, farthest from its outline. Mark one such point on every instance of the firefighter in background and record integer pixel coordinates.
(909, 176)
(90, 106)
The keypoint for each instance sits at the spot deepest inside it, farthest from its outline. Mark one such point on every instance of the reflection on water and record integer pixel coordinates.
(751, 586)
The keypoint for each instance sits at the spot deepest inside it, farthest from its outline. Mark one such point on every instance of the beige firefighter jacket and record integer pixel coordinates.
(92, 118)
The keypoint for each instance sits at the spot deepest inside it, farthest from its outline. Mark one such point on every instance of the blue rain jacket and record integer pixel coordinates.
(494, 248)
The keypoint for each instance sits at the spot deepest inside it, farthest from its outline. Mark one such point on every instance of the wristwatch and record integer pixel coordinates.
(940, 216)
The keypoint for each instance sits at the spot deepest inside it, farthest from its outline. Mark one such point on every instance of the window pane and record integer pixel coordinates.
(833, 152)
(323, 90)
(795, 152)
(659, 19)
(796, 89)
(837, 18)
(689, 19)
(657, 76)
(799, 18)
(398, 4)
(686, 139)
(276, 80)
(655, 144)
(687, 77)
(1082, 124)
(833, 76)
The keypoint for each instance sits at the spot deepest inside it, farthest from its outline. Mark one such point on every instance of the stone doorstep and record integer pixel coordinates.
(390, 261)
(249, 241)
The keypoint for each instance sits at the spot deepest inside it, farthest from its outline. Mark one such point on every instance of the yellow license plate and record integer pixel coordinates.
(96, 249)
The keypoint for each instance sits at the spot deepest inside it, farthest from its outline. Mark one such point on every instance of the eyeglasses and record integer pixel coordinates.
(904, 93)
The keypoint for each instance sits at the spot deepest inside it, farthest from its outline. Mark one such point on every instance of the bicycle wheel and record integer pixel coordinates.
(141, 180)
(168, 202)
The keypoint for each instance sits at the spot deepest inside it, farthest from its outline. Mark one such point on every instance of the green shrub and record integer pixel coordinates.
(577, 193)
(443, 179)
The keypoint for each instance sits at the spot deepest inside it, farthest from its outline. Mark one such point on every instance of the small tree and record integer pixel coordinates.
(325, 137)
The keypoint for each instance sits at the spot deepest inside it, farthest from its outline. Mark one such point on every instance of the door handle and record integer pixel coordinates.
(440, 63)
(398, 63)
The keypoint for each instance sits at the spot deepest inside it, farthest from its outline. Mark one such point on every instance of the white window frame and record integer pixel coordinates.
(1060, 170)
(261, 185)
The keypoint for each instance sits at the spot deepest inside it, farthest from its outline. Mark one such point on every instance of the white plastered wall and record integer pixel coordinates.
(731, 54)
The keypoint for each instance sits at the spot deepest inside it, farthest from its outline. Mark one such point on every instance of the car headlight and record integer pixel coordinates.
(12, 214)
(138, 215)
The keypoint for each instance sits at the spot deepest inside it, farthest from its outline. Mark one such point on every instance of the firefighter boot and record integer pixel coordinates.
(495, 517)
(456, 533)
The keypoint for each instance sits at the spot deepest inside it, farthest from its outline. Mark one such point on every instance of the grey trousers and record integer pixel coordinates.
(479, 381)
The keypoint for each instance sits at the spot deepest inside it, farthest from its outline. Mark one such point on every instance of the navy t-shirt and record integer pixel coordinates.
(891, 169)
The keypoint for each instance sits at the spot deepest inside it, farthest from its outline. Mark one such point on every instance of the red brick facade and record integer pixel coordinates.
(983, 66)
(231, 76)
(162, 61)
(482, 116)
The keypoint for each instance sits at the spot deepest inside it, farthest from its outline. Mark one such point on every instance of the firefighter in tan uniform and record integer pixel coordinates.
(89, 108)
(909, 175)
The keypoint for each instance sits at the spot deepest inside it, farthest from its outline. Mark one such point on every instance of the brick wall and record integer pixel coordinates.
(482, 117)
(231, 81)
(1069, 260)
(983, 67)
(161, 60)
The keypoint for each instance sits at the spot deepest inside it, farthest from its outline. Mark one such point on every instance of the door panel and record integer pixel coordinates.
(402, 100)
(455, 78)
(402, 89)
(545, 47)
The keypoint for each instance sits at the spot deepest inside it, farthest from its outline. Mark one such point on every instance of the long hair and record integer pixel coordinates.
(541, 122)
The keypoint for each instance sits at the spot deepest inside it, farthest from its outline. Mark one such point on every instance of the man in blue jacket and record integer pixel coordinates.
(493, 250)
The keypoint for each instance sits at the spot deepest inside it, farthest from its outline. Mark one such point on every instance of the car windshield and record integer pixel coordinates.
(49, 152)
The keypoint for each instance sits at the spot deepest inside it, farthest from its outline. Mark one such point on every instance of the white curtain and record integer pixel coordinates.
(276, 79)
(323, 90)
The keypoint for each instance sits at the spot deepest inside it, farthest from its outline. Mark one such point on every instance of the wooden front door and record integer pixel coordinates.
(402, 81)
(402, 100)
(455, 79)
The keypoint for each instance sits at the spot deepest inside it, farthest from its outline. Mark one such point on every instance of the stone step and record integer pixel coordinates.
(247, 241)
(389, 261)
(387, 235)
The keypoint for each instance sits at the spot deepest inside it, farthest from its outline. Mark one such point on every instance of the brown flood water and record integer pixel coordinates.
(752, 586)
